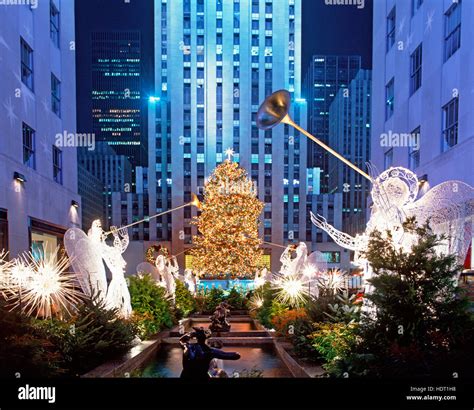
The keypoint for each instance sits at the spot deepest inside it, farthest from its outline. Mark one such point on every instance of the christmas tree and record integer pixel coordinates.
(228, 244)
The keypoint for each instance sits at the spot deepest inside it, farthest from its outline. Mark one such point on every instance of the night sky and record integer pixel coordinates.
(336, 30)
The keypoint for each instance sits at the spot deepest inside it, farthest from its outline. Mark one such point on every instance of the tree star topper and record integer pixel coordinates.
(230, 153)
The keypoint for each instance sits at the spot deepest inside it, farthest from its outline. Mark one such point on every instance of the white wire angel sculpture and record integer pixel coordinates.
(190, 281)
(289, 265)
(449, 207)
(118, 295)
(88, 253)
(165, 270)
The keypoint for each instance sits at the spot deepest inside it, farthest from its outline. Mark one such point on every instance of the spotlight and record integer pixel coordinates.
(153, 99)
(423, 179)
(75, 204)
(19, 177)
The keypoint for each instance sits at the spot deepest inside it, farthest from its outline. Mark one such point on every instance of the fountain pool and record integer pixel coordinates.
(167, 362)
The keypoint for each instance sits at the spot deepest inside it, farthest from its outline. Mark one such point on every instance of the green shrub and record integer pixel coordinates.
(92, 337)
(344, 309)
(212, 298)
(316, 308)
(185, 303)
(236, 300)
(270, 307)
(151, 306)
(333, 340)
(25, 350)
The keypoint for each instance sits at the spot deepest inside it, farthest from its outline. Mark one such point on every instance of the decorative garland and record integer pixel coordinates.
(154, 251)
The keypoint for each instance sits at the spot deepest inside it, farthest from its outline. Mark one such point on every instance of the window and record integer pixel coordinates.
(416, 4)
(452, 35)
(200, 6)
(390, 29)
(29, 158)
(415, 69)
(55, 95)
(332, 256)
(57, 165)
(26, 64)
(450, 123)
(54, 23)
(388, 159)
(255, 4)
(414, 150)
(389, 98)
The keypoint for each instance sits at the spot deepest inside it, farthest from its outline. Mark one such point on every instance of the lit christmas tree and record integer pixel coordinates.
(228, 244)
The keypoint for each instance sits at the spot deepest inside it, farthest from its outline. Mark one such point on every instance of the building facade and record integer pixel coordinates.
(91, 189)
(349, 126)
(215, 62)
(326, 75)
(423, 88)
(112, 170)
(38, 169)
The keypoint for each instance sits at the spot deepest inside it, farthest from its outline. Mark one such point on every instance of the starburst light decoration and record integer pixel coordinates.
(292, 290)
(51, 289)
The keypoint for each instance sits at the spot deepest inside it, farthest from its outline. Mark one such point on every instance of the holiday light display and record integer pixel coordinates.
(51, 289)
(292, 289)
(448, 207)
(228, 241)
(40, 287)
(88, 254)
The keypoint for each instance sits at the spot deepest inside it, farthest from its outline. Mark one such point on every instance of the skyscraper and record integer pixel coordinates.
(117, 103)
(114, 68)
(327, 74)
(215, 62)
(349, 127)
(114, 171)
(38, 168)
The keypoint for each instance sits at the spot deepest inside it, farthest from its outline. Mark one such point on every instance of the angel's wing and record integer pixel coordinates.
(86, 261)
(341, 238)
(300, 260)
(449, 207)
(317, 261)
(146, 267)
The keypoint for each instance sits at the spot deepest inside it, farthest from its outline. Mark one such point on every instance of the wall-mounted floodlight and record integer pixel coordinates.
(75, 204)
(19, 177)
(153, 99)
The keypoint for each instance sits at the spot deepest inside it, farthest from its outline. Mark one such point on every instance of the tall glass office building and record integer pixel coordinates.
(116, 92)
(215, 61)
(327, 74)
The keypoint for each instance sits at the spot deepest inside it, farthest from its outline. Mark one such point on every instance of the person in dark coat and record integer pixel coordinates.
(198, 356)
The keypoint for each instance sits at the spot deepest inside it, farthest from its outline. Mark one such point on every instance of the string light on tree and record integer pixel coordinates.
(228, 242)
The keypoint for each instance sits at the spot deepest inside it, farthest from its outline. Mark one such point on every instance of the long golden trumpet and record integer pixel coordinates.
(274, 110)
(194, 202)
